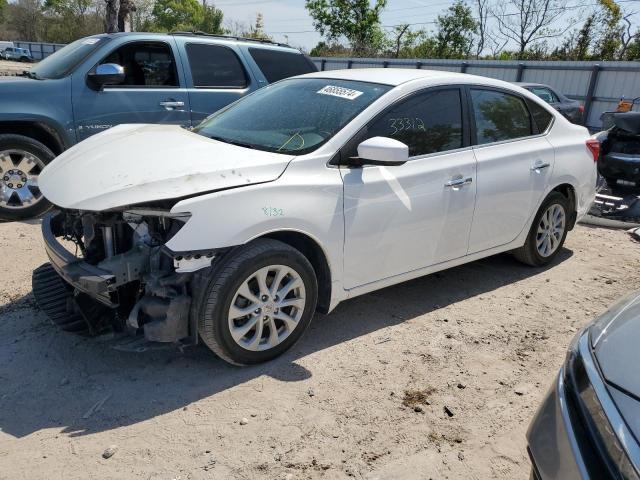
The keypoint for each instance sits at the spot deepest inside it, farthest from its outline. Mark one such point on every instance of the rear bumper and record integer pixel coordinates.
(620, 166)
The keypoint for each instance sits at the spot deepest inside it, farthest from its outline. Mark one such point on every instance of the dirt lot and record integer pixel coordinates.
(8, 67)
(483, 340)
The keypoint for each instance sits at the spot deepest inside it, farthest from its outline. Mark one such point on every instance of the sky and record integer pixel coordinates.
(288, 20)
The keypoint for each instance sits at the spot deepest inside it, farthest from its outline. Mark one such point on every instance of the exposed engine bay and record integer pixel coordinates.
(118, 273)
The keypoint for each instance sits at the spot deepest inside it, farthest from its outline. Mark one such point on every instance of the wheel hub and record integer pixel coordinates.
(550, 230)
(15, 179)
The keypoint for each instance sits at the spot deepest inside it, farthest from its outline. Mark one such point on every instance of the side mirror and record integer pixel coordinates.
(107, 74)
(382, 151)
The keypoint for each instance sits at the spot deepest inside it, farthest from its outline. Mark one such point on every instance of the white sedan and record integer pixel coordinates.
(305, 193)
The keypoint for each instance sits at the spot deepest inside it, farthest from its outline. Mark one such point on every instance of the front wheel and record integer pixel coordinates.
(22, 159)
(257, 303)
(548, 232)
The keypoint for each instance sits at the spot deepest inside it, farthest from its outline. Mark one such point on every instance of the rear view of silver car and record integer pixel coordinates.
(589, 424)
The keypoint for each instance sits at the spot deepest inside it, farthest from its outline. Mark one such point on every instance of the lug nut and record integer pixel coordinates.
(19, 185)
(264, 298)
(257, 311)
(24, 179)
(11, 185)
(276, 298)
(6, 178)
(265, 318)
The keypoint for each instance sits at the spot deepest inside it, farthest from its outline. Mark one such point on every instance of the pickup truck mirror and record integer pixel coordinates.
(382, 151)
(106, 74)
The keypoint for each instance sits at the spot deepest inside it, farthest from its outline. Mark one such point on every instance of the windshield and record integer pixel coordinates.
(293, 116)
(62, 62)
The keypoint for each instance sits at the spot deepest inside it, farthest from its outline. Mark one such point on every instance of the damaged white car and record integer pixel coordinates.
(309, 191)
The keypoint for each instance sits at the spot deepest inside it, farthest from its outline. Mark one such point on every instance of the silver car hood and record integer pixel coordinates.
(131, 164)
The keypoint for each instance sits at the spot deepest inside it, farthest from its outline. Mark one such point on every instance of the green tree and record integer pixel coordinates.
(356, 20)
(455, 32)
(256, 30)
(608, 41)
(212, 20)
(3, 9)
(172, 15)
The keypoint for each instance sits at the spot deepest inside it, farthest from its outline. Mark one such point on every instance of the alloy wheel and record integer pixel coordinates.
(267, 308)
(19, 172)
(550, 230)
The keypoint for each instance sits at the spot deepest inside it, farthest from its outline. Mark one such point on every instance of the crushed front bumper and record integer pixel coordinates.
(98, 281)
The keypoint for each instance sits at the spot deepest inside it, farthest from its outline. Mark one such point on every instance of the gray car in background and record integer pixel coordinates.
(589, 424)
(571, 109)
(17, 54)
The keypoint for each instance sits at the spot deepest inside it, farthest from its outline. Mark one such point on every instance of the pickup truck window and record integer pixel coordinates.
(294, 116)
(146, 64)
(215, 66)
(277, 64)
(61, 63)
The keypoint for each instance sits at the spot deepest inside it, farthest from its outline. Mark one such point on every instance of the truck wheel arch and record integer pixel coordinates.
(40, 131)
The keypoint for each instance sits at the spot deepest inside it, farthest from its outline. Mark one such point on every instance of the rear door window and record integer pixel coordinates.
(499, 116)
(428, 122)
(278, 64)
(215, 66)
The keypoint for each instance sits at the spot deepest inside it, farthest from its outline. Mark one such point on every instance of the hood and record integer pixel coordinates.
(615, 337)
(131, 164)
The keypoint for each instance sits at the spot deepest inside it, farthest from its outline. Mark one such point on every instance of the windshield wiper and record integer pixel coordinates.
(28, 74)
(232, 142)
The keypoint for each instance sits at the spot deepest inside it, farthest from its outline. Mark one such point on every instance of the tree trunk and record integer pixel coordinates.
(126, 8)
(111, 16)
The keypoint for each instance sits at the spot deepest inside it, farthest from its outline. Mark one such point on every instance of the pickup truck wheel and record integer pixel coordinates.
(548, 232)
(258, 302)
(21, 161)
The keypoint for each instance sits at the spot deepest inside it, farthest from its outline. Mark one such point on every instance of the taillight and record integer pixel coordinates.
(581, 108)
(594, 147)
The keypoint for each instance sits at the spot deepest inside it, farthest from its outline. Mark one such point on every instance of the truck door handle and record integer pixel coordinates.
(540, 166)
(458, 182)
(171, 104)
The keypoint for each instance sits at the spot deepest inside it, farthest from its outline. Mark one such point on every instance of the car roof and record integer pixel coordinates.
(398, 76)
(531, 84)
(206, 36)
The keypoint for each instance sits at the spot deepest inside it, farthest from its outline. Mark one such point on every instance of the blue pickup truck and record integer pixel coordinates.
(104, 80)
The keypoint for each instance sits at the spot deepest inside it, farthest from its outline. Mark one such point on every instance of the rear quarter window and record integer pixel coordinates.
(278, 64)
(541, 116)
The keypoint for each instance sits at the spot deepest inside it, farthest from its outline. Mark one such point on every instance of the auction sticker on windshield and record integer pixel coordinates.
(341, 92)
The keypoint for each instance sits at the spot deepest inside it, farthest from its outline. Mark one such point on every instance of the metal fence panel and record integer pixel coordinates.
(598, 85)
(39, 50)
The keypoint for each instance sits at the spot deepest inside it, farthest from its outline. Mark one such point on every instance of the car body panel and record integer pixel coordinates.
(128, 172)
(407, 213)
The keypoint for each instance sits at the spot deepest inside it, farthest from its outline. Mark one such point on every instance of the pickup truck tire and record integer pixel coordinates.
(22, 158)
(241, 317)
(548, 232)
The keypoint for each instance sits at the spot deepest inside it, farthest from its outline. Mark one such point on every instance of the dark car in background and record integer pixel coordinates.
(619, 161)
(104, 80)
(571, 109)
(588, 426)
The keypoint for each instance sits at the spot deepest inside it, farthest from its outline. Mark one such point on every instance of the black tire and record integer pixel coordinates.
(220, 285)
(45, 155)
(528, 253)
(55, 298)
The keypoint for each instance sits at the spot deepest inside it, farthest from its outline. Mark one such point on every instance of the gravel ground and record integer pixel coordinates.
(8, 67)
(365, 394)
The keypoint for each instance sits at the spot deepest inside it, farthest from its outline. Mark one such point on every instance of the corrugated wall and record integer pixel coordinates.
(598, 86)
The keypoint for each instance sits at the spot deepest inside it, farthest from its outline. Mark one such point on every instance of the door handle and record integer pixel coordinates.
(171, 104)
(540, 166)
(458, 182)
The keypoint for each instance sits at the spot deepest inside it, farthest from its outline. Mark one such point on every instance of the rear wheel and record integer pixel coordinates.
(548, 232)
(257, 303)
(22, 159)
